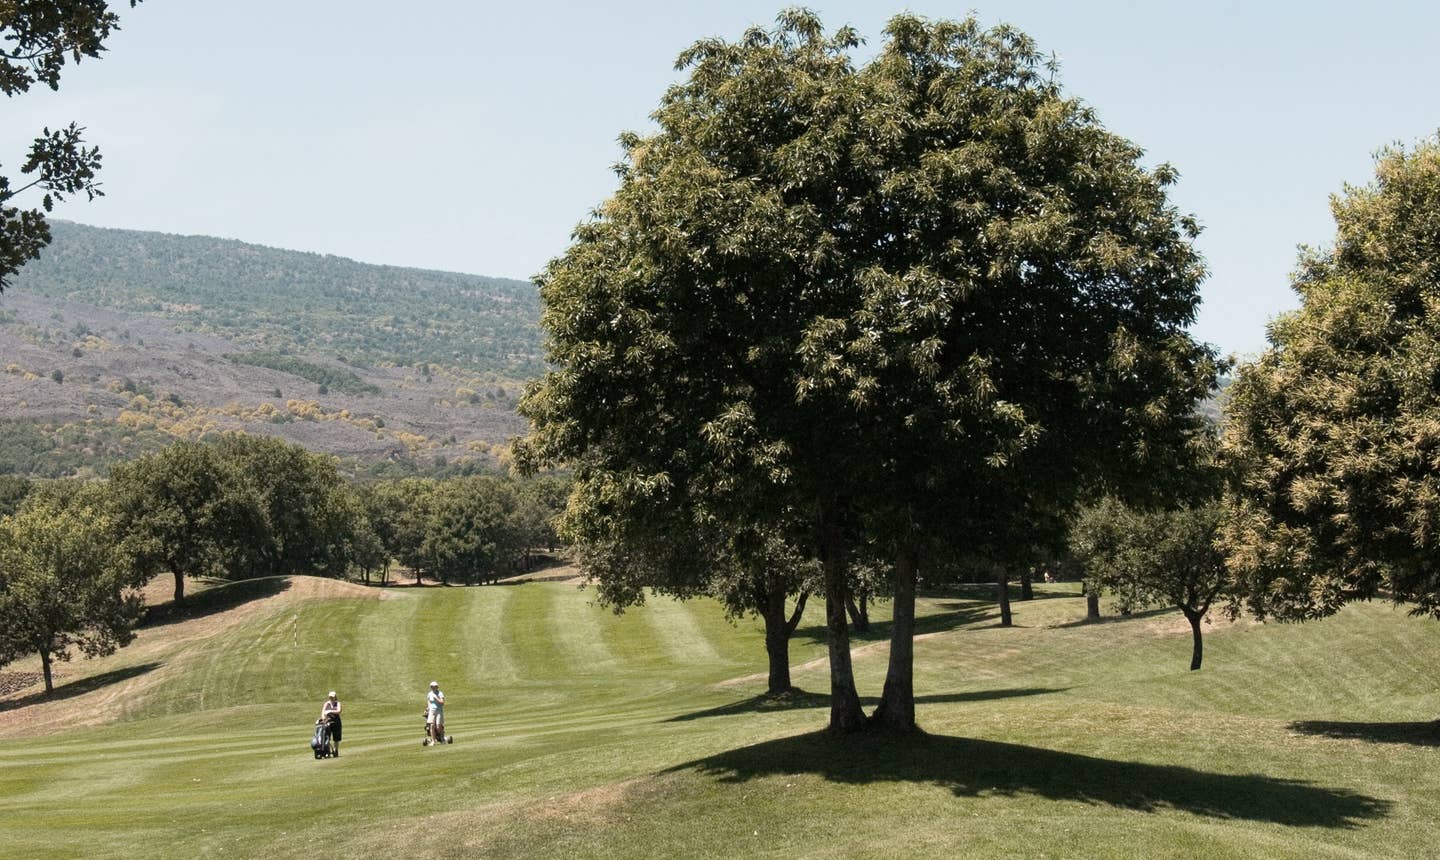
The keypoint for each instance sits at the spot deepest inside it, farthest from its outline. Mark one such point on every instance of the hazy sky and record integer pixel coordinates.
(473, 136)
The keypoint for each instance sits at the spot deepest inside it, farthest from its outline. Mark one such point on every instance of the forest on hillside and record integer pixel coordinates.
(117, 342)
(280, 301)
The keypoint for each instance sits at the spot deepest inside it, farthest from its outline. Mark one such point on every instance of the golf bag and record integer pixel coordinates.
(321, 743)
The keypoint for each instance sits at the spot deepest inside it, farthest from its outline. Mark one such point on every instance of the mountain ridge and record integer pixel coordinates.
(118, 341)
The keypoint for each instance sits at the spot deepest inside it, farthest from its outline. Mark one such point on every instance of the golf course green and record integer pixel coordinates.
(581, 733)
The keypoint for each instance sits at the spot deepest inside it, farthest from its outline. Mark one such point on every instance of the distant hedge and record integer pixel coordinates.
(332, 378)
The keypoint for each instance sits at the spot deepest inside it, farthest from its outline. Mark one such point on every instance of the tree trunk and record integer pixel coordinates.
(846, 716)
(1198, 651)
(1002, 582)
(45, 669)
(385, 574)
(179, 588)
(896, 712)
(777, 640)
(1027, 591)
(859, 612)
(1092, 604)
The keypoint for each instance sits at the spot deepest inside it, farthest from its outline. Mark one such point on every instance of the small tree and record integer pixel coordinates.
(1164, 557)
(63, 585)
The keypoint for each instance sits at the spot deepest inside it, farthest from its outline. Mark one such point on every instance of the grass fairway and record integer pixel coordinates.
(580, 733)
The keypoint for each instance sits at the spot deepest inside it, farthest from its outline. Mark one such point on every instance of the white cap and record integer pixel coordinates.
(332, 694)
(434, 683)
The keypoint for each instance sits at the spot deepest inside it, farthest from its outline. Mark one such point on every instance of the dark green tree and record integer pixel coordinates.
(876, 302)
(189, 511)
(308, 516)
(13, 490)
(1335, 430)
(37, 39)
(687, 553)
(469, 534)
(63, 584)
(1159, 557)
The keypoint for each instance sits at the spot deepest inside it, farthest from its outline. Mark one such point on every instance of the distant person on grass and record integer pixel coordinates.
(330, 713)
(434, 715)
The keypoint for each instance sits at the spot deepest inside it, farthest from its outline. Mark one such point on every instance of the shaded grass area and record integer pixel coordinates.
(1425, 734)
(213, 599)
(968, 767)
(80, 687)
(583, 733)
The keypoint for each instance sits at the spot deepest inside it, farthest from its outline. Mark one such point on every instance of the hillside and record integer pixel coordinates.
(583, 733)
(117, 341)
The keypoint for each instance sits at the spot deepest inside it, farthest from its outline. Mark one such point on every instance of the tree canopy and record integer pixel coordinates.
(897, 299)
(37, 39)
(1335, 430)
(63, 584)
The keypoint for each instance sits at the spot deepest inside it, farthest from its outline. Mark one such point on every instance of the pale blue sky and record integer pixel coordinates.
(473, 136)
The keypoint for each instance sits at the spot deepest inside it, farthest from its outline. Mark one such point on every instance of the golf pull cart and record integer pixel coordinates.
(429, 741)
(322, 744)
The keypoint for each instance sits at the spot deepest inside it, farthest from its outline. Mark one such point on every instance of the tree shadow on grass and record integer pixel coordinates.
(1117, 618)
(1426, 734)
(213, 600)
(798, 699)
(78, 688)
(952, 615)
(978, 768)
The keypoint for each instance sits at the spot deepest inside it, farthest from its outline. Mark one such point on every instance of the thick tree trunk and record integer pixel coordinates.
(1027, 591)
(1002, 582)
(777, 640)
(45, 668)
(179, 588)
(1198, 652)
(846, 716)
(896, 711)
(1092, 604)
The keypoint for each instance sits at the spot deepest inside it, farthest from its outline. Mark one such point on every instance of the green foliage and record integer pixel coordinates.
(13, 491)
(1154, 558)
(1335, 430)
(287, 302)
(927, 297)
(189, 511)
(308, 516)
(36, 40)
(331, 378)
(63, 584)
(48, 449)
(470, 532)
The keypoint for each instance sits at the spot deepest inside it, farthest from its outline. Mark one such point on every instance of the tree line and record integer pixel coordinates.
(73, 553)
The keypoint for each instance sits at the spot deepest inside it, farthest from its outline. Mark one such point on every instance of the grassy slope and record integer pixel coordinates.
(580, 733)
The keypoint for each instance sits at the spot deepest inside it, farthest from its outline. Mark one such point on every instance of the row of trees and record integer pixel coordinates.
(842, 319)
(73, 553)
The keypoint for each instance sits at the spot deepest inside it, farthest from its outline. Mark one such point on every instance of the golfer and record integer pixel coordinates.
(330, 712)
(435, 714)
